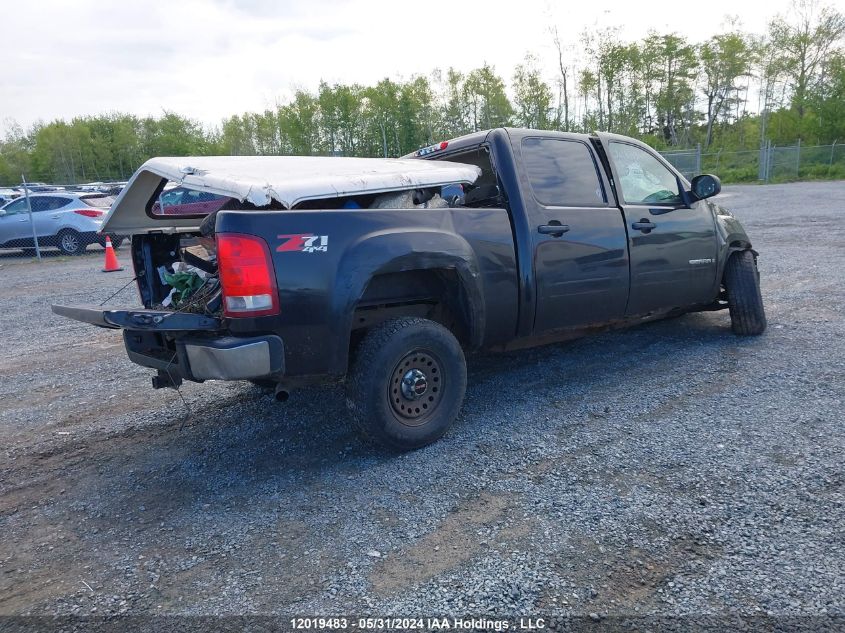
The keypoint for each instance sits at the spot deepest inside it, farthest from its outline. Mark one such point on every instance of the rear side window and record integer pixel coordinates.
(562, 173)
(47, 203)
(98, 202)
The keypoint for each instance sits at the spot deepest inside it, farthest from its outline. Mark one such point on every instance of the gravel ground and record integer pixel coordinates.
(671, 469)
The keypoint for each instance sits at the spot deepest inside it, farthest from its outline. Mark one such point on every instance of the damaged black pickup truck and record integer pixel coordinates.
(292, 270)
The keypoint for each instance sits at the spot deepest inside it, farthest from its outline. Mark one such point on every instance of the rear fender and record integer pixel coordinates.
(396, 252)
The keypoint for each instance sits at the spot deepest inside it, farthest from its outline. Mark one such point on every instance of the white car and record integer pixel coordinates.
(68, 221)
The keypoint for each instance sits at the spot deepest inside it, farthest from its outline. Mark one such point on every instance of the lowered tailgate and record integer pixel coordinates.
(140, 319)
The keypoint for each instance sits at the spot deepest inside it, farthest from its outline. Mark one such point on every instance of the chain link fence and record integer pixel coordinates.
(768, 164)
(63, 219)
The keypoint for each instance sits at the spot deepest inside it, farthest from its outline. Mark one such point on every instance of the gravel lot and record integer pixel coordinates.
(671, 469)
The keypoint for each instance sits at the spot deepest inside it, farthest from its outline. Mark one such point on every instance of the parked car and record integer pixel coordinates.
(68, 221)
(38, 187)
(360, 269)
(7, 194)
(183, 201)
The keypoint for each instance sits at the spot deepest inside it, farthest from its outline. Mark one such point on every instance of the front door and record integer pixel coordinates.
(580, 255)
(672, 246)
(14, 224)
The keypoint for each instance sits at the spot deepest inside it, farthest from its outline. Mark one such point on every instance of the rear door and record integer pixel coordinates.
(48, 214)
(580, 255)
(672, 246)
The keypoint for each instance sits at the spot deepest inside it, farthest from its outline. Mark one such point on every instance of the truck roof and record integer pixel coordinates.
(474, 139)
(260, 179)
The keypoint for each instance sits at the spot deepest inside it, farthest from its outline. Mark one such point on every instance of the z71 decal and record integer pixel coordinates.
(304, 243)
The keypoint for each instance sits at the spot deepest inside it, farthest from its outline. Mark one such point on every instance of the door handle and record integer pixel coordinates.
(56, 217)
(555, 230)
(644, 225)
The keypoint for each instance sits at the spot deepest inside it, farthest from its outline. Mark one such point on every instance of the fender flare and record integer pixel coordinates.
(735, 246)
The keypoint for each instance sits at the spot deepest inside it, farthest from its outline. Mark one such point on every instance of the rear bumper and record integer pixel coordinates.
(232, 358)
(187, 346)
(219, 358)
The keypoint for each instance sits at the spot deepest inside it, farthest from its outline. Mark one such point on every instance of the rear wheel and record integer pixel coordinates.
(70, 243)
(407, 383)
(742, 281)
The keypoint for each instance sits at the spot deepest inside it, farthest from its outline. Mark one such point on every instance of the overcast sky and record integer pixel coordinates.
(212, 58)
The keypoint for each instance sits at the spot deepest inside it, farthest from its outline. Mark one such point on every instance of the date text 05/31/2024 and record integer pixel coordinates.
(419, 624)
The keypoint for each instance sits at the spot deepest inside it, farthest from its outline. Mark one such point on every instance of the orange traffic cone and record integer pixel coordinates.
(111, 264)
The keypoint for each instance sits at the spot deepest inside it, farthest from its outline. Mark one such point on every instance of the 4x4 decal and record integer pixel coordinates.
(303, 242)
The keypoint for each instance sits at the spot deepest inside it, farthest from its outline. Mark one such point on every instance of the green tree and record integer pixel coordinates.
(416, 115)
(489, 106)
(454, 109)
(341, 112)
(804, 41)
(382, 116)
(678, 63)
(725, 58)
(15, 155)
(532, 96)
(299, 123)
(828, 101)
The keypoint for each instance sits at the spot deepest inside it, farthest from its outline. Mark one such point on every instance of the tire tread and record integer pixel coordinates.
(359, 379)
(742, 280)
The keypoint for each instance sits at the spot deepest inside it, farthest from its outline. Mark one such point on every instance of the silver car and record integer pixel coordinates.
(68, 221)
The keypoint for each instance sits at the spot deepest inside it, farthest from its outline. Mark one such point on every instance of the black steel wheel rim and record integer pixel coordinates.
(416, 387)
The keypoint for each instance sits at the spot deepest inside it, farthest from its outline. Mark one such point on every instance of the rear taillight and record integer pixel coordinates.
(246, 276)
(89, 213)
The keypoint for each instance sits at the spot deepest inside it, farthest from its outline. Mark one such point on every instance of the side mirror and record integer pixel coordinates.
(2, 212)
(705, 186)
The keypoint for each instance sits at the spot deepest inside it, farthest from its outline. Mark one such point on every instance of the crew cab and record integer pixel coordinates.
(386, 273)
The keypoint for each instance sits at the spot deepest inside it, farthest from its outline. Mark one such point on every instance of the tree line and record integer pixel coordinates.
(732, 91)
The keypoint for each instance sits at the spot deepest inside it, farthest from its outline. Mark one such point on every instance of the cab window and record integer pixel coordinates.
(642, 178)
(562, 173)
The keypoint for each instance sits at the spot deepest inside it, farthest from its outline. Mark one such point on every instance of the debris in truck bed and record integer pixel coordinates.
(408, 200)
(191, 287)
(184, 284)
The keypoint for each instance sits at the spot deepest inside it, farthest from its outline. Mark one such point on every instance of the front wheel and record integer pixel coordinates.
(742, 281)
(407, 383)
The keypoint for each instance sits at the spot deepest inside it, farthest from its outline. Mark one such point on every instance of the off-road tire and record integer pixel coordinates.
(409, 351)
(742, 282)
(70, 242)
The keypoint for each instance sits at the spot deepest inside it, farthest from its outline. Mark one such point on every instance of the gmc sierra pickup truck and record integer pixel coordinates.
(385, 273)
